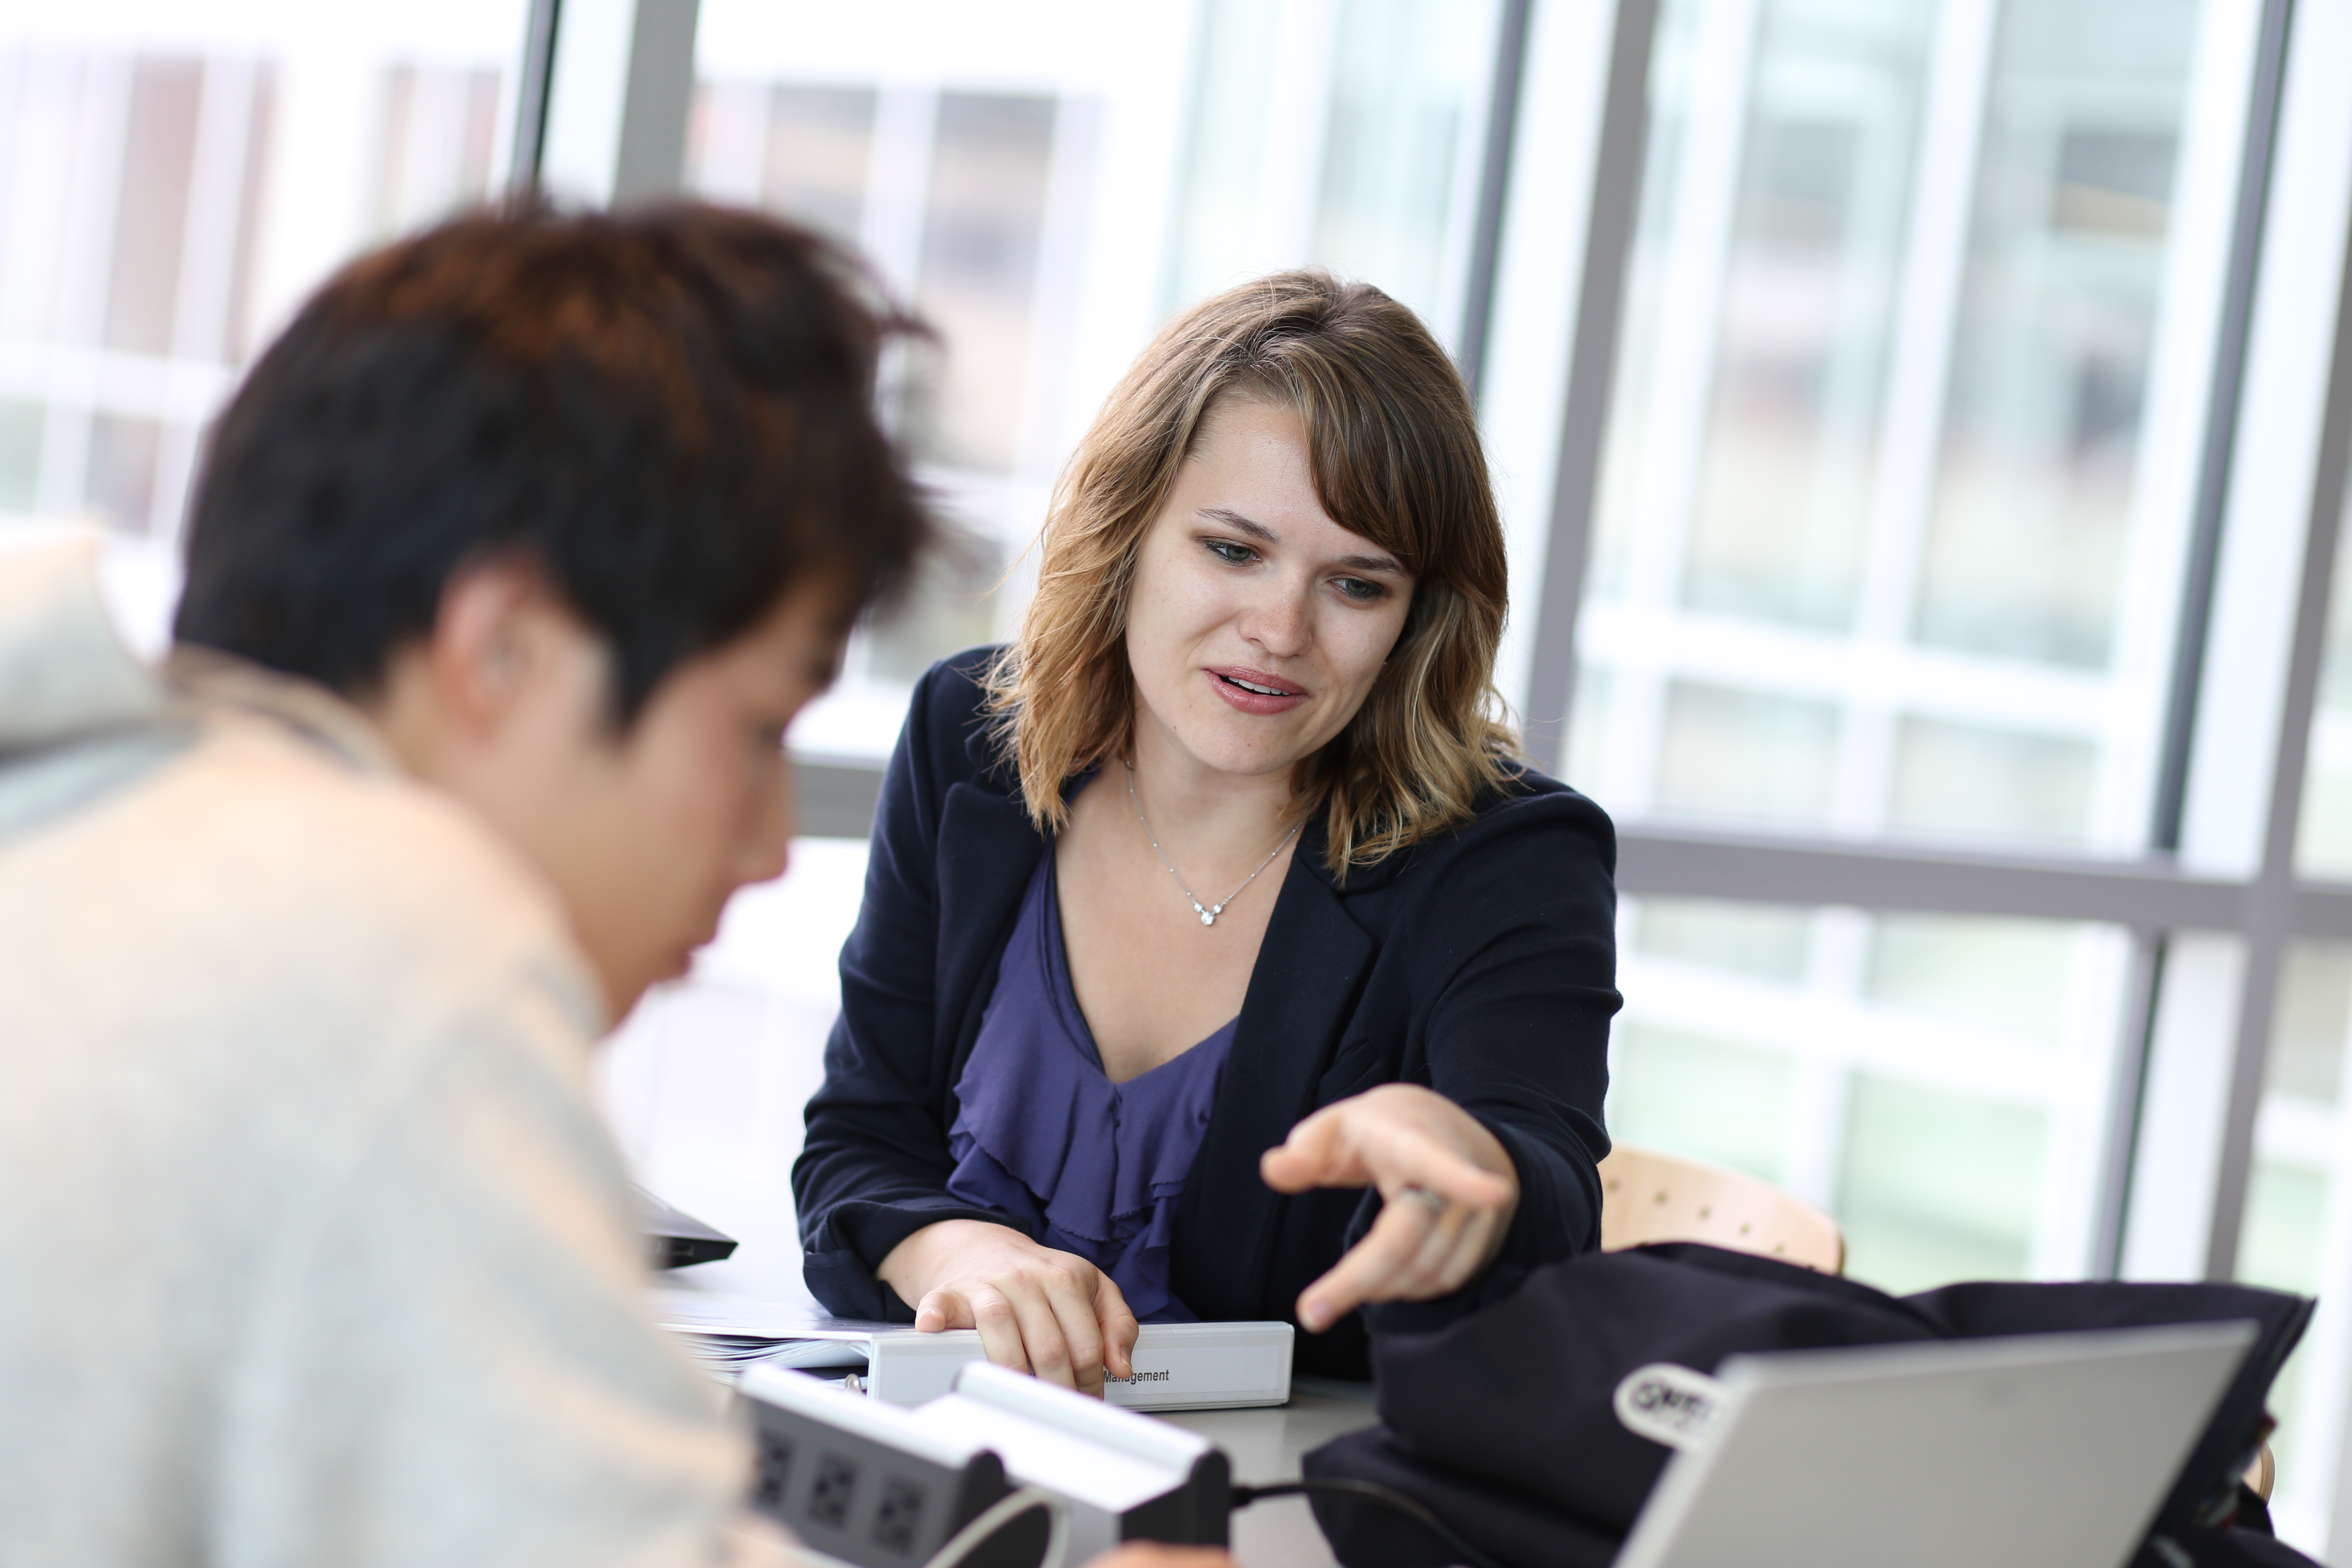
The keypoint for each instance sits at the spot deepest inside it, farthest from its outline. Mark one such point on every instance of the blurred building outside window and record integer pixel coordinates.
(1895, 498)
(1888, 545)
(174, 179)
(1878, 510)
(1938, 1083)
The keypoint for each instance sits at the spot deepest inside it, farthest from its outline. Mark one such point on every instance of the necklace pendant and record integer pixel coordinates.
(1206, 918)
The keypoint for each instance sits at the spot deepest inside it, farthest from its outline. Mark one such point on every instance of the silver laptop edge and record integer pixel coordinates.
(2010, 1468)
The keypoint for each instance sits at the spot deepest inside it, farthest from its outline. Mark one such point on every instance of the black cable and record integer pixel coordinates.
(1405, 1504)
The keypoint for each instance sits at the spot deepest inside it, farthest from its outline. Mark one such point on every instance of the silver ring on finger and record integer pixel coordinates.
(1437, 1201)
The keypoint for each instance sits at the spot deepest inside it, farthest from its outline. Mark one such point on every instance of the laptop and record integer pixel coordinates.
(2040, 1451)
(675, 1239)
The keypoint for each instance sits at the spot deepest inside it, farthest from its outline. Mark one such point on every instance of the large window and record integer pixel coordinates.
(1887, 545)
(1938, 616)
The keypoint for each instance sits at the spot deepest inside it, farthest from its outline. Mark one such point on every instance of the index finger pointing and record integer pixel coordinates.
(1313, 1155)
(1388, 1249)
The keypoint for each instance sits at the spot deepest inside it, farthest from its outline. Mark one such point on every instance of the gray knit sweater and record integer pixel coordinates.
(312, 1249)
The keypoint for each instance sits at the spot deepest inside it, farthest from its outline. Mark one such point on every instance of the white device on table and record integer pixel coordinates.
(1118, 1475)
(1178, 1366)
(867, 1483)
(2038, 1451)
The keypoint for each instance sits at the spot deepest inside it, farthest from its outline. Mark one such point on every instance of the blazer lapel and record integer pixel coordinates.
(987, 853)
(1308, 969)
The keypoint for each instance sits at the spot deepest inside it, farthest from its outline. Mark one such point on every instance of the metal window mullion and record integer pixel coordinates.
(2192, 628)
(618, 90)
(537, 70)
(1494, 185)
(1689, 863)
(1593, 371)
(2194, 625)
(2126, 1101)
(2272, 903)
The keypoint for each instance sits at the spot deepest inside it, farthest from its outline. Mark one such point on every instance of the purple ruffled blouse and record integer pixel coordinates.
(1094, 1167)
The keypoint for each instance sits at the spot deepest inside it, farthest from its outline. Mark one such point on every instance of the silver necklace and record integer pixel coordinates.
(1208, 912)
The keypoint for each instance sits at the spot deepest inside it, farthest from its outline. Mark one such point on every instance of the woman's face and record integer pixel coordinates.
(1256, 625)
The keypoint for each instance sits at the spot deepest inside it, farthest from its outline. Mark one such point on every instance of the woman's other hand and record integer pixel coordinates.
(1037, 1311)
(1448, 1186)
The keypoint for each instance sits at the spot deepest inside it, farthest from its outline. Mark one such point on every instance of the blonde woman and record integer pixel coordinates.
(1218, 897)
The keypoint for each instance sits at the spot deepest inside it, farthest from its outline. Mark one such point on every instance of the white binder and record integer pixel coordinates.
(1178, 1366)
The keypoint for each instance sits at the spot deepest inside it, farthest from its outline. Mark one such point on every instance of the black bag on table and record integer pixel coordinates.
(1504, 1423)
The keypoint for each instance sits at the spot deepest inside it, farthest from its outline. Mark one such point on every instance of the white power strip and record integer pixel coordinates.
(872, 1484)
(864, 1483)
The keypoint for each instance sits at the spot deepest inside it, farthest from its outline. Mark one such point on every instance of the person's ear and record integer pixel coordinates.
(491, 641)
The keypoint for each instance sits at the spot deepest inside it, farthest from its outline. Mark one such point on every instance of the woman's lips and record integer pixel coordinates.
(1271, 694)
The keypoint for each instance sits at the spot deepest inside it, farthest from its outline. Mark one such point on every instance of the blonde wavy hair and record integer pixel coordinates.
(1393, 448)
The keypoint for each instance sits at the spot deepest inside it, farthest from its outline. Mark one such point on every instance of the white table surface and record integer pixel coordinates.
(1265, 1446)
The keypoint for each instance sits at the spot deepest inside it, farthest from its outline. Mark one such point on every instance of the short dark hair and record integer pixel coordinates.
(670, 411)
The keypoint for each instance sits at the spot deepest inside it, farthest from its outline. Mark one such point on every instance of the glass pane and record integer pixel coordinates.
(2057, 324)
(173, 180)
(1782, 512)
(1884, 446)
(1228, 147)
(1344, 134)
(950, 197)
(976, 274)
(1743, 755)
(1761, 942)
(2008, 977)
(820, 151)
(2295, 1212)
(1971, 781)
(1704, 1098)
(20, 454)
(948, 608)
(121, 484)
(1406, 77)
(1046, 180)
(1939, 1186)
(1931, 1081)
(957, 150)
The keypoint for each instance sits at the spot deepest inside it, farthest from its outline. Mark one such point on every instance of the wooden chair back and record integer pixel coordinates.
(1648, 1196)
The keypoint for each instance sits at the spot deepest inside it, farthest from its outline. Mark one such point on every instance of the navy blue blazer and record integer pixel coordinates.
(1482, 964)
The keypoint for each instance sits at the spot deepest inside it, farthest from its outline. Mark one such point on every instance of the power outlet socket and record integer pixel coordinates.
(862, 1482)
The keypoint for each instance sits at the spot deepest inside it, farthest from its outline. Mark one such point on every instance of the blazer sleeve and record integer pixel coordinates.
(875, 1166)
(1522, 927)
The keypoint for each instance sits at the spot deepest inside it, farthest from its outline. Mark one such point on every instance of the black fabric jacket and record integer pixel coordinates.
(1481, 963)
(1506, 1424)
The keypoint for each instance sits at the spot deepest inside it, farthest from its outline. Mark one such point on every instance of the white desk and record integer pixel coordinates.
(1265, 1446)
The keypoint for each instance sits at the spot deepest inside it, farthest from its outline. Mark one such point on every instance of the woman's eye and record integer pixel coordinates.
(1360, 590)
(1226, 549)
